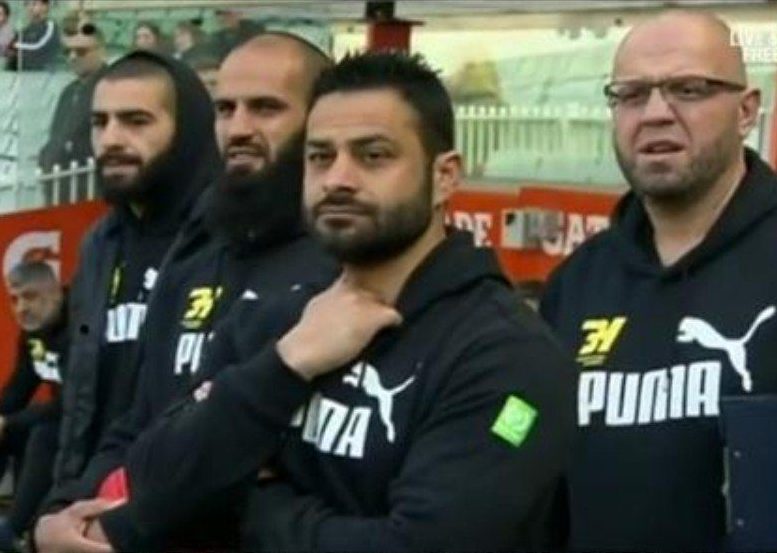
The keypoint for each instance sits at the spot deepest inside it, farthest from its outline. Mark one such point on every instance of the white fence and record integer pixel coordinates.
(570, 143)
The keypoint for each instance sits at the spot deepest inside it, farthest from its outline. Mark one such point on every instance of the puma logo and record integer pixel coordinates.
(696, 330)
(366, 377)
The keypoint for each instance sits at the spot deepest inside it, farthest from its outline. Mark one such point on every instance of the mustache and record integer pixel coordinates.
(119, 158)
(342, 198)
(246, 146)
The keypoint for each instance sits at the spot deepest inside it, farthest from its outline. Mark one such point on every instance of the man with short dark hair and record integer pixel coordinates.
(412, 404)
(28, 431)
(672, 310)
(152, 133)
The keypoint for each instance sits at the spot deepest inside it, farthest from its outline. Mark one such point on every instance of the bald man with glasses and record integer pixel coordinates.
(672, 311)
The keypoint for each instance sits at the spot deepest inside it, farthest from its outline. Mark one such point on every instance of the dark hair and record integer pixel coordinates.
(5, 7)
(408, 75)
(30, 271)
(138, 65)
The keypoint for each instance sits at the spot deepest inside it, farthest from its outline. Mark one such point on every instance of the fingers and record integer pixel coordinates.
(90, 508)
(84, 545)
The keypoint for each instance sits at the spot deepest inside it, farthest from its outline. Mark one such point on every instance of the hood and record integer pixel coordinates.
(193, 162)
(454, 265)
(754, 199)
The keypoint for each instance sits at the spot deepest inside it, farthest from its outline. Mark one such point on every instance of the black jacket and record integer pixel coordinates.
(436, 449)
(204, 274)
(38, 46)
(70, 129)
(41, 358)
(657, 347)
(192, 164)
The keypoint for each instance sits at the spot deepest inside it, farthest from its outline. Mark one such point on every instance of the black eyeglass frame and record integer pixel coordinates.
(711, 87)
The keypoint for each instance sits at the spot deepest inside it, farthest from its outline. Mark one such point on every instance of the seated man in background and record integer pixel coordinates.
(28, 431)
(412, 404)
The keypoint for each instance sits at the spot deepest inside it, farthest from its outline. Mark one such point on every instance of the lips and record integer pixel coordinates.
(663, 146)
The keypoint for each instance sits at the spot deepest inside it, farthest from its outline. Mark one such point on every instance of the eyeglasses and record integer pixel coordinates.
(674, 90)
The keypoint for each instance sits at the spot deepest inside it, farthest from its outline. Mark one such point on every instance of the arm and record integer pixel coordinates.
(462, 487)
(172, 470)
(41, 42)
(19, 390)
(162, 489)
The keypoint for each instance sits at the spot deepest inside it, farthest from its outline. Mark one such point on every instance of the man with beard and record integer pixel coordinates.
(152, 133)
(245, 238)
(28, 431)
(660, 310)
(412, 404)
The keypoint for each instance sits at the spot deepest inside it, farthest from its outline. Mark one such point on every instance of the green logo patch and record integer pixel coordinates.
(514, 421)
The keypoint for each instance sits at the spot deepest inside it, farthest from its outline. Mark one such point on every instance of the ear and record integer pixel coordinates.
(446, 176)
(749, 107)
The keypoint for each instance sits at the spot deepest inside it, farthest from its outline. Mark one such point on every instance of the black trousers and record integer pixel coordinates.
(34, 452)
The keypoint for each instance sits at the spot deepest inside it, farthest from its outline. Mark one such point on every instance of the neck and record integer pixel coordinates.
(386, 279)
(679, 229)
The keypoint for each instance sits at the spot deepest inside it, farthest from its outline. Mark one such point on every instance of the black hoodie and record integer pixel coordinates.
(657, 347)
(426, 441)
(243, 238)
(119, 261)
(42, 355)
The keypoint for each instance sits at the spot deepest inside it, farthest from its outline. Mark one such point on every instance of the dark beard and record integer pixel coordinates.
(141, 189)
(264, 208)
(394, 229)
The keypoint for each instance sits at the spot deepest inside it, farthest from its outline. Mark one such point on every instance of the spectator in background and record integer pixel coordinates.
(233, 31)
(70, 133)
(189, 41)
(7, 34)
(39, 43)
(206, 65)
(28, 431)
(148, 36)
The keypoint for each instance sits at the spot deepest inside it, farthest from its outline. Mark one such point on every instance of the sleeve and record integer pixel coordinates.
(39, 43)
(17, 393)
(171, 469)
(79, 300)
(484, 471)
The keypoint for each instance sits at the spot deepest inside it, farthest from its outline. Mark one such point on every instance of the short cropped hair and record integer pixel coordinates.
(139, 65)
(408, 75)
(26, 272)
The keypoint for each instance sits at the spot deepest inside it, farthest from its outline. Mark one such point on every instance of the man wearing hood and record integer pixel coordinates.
(245, 238)
(152, 133)
(672, 310)
(411, 404)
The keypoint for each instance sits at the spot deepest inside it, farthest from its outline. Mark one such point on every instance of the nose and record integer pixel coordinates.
(657, 109)
(109, 137)
(342, 174)
(240, 123)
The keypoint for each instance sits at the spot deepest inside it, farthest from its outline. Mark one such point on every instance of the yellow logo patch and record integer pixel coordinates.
(200, 305)
(599, 337)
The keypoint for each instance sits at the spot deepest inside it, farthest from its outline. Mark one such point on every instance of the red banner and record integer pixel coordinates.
(51, 234)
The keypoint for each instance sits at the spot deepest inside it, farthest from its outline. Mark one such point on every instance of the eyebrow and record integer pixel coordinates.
(123, 112)
(358, 142)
